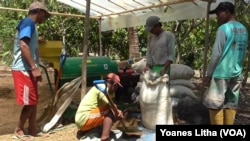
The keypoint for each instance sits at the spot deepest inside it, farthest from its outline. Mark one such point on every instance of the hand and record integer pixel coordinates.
(37, 74)
(206, 81)
(163, 71)
(145, 69)
(120, 114)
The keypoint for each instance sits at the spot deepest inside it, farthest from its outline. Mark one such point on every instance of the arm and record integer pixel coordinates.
(170, 54)
(26, 54)
(148, 55)
(118, 112)
(108, 100)
(215, 57)
(216, 52)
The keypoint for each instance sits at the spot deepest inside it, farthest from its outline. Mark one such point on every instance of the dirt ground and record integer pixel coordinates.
(10, 111)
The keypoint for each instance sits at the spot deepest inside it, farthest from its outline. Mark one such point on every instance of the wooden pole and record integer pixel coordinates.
(85, 49)
(100, 37)
(206, 37)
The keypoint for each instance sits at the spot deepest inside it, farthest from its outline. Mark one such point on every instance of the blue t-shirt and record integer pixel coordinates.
(25, 29)
(229, 49)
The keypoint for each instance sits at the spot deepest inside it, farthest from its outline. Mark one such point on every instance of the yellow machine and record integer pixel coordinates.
(51, 51)
(71, 67)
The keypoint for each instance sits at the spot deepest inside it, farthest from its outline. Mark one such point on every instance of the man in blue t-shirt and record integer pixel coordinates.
(25, 70)
(224, 73)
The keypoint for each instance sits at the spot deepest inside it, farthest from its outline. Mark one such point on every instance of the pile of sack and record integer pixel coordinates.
(180, 84)
(158, 95)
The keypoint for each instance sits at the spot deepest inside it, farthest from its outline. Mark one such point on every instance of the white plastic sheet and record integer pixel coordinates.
(132, 13)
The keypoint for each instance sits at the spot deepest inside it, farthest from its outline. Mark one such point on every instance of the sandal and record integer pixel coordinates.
(23, 137)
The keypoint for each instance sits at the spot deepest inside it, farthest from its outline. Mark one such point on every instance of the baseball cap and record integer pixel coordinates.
(114, 77)
(223, 6)
(151, 22)
(39, 5)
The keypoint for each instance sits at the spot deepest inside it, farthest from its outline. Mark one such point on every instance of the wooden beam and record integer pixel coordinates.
(52, 13)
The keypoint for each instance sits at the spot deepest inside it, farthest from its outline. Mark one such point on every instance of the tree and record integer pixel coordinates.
(133, 43)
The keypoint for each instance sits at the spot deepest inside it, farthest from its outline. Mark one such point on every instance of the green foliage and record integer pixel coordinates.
(119, 44)
(190, 37)
(143, 39)
(7, 36)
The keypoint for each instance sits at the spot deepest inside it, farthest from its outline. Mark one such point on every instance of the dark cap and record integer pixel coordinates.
(223, 6)
(151, 22)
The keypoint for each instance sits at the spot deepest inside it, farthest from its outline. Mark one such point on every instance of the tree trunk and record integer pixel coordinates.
(133, 43)
(244, 82)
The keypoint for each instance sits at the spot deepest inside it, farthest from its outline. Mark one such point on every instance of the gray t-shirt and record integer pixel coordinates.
(161, 48)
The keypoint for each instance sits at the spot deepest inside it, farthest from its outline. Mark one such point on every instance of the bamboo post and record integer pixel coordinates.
(85, 49)
(206, 37)
(100, 37)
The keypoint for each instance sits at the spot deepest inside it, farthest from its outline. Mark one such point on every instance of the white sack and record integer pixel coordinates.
(138, 87)
(155, 102)
(182, 82)
(180, 91)
(139, 66)
(177, 71)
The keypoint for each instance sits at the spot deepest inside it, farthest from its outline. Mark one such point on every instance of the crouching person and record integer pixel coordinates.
(95, 110)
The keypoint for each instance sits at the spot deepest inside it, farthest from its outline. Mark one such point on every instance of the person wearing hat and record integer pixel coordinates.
(161, 46)
(224, 72)
(25, 70)
(95, 110)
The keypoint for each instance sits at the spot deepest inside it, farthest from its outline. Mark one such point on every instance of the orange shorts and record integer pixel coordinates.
(95, 119)
(25, 88)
